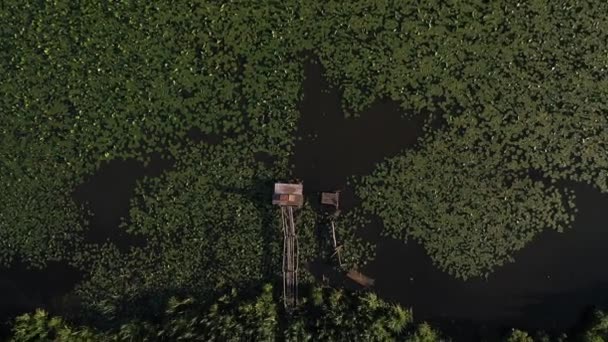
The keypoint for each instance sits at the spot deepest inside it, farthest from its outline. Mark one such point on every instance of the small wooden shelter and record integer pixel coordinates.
(290, 195)
(331, 198)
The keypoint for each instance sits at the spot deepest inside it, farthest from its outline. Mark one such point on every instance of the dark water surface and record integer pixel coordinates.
(23, 290)
(554, 280)
(331, 148)
(106, 194)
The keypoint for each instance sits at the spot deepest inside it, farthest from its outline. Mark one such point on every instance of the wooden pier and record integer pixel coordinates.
(333, 199)
(288, 197)
(290, 257)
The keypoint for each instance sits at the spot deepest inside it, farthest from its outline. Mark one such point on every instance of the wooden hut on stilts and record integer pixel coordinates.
(333, 199)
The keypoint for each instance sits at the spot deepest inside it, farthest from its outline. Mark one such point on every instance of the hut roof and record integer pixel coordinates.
(288, 194)
(289, 189)
(330, 198)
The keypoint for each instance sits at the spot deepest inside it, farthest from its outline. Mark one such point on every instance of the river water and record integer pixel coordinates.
(554, 280)
(552, 283)
(106, 197)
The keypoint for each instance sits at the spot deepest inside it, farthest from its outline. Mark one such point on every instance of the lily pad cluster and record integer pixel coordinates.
(516, 93)
(89, 83)
(519, 89)
(207, 225)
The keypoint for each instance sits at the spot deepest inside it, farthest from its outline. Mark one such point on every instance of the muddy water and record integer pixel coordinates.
(554, 280)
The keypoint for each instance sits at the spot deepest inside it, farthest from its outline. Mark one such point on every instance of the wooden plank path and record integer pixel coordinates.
(289, 196)
(333, 199)
(290, 258)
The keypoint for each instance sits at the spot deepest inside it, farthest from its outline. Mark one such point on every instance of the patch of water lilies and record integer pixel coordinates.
(518, 89)
(520, 96)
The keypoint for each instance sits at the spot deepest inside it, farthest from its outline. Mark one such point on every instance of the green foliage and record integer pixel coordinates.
(86, 83)
(463, 202)
(356, 252)
(519, 88)
(39, 326)
(424, 333)
(325, 315)
(335, 315)
(249, 321)
(208, 225)
(597, 331)
(339, 316)
(38, 220)
(516, 335)
(229, 319)
(310, 245)
(519, 336)
(465, 54)
(520, 91)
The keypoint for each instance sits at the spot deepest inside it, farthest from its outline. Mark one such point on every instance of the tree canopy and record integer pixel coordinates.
(325, 315)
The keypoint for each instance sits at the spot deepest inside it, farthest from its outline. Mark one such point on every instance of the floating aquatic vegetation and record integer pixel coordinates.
(520, 89)
(355, 251)
(208, 225)
(93, 82)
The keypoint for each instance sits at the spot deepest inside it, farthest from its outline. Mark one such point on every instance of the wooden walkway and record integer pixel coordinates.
(333, 199)
(289, 196)
(290, 257)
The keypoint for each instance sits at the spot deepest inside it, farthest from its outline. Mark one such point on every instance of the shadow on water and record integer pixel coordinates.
(331, 148)
(24, 290)
(553, 281)
(107, 195)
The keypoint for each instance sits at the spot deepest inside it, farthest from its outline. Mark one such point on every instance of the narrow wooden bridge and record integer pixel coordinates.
(333, 199)
(288, 197)
(290, 257)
